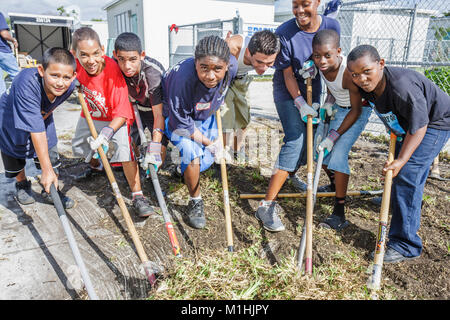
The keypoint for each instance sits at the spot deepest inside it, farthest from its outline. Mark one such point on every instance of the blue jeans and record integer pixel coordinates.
(8, 63)
(293, 152)
(407, 191)
(337, 159)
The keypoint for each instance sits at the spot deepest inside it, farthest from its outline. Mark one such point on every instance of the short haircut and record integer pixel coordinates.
(84, 33)
(265, 42)
(212, 46)
(128, 41)
(326, 36)
(58, 55)
(364, 50)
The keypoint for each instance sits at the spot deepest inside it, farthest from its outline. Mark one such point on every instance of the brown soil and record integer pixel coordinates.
(423, 278)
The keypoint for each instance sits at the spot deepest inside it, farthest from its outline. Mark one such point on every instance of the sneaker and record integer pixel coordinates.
(196, 215)
(142, 207)
(66, 201)
(24, 194)
(392, 256)
(268, 215)
(298, 183)
(327, 188)
(376, 201)
(334, 222)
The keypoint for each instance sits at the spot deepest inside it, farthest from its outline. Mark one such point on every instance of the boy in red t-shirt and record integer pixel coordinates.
(106, 96)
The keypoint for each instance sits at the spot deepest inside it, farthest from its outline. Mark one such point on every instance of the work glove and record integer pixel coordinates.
(305, 109)
(327, 144)
(216, 148)
(102, 140)
(308, 70)
(152, 156)
(327, 109)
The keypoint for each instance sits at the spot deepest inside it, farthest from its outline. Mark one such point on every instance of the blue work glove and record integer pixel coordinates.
(327, 109)
(306, 110)
(308, 70)
(328, 144)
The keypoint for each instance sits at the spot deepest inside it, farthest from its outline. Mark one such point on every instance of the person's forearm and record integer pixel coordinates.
(5, 34)
(291, 83)
(39, 140)
(158, 123)
(117, 123)
(198, 137)
(410, 144)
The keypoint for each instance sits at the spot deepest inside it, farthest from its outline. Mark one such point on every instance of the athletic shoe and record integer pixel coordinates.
(327, 188)
(142, 207)
(196, 215)
(334, 222)
(268, 215)
(376, 201)
(24, 194)
(66, 201)
(299, 184)
(392, 256)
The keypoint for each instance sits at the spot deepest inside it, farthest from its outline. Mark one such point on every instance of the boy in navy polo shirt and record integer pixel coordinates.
(194, 90)
(418, 112)
(27, 129)
(8, 62)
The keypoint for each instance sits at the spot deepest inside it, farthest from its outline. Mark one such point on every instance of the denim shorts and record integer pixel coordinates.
(293, 151)
(190, 149)
(337, 159)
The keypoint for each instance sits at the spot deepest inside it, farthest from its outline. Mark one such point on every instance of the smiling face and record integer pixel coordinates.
(211, 70)
(366, 73)
(129, 61)
(305, 11)
(326, 57)
(57, 78)
(90, 55)
(260, 61)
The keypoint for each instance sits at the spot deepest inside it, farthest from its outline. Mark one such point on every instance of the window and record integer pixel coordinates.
(122, 22)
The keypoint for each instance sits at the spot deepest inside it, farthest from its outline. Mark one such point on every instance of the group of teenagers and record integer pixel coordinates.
(179, 106)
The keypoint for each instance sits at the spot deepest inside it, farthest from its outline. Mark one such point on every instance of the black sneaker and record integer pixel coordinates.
(334, 222)
(196, 216)
(392, 256)
(24, 194)
(66, 201)
(143, 207)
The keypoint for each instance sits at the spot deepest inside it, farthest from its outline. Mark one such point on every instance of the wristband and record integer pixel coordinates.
(333, 135)
(158, 130)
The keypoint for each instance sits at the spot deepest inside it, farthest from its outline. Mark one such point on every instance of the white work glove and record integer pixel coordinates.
(328, 144)
(102, 139)
(306, 110)
(152, 156)
(328, 109)
(308, 70)
(216, 148)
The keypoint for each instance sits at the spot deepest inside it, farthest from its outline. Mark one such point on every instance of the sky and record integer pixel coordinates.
(89, 9)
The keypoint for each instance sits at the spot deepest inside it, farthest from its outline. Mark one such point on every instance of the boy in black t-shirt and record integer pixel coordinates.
(418, 112)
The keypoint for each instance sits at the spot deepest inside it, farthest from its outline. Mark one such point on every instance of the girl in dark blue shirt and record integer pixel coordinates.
(194, 90)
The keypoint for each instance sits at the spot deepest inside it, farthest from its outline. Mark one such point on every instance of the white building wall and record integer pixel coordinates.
(158, 15)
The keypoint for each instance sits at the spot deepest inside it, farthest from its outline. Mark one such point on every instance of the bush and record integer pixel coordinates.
(440, 76)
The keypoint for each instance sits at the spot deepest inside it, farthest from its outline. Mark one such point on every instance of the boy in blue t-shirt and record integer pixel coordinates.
(8, 62)
(194, 90)
(417, 110)
(289, 93)
(27, 129)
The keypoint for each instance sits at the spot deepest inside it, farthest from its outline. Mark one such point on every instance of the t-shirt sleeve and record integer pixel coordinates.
(3, 24)
(416, 108)
(155, 90)
(27, 107)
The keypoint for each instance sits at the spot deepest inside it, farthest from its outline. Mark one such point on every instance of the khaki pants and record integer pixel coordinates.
(235, 111)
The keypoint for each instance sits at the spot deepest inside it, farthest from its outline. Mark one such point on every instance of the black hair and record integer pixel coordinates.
(326, 36)
(58, 55)
(265, 42)
(364, 50)
(84, 33)
(212, 46)
(128, 41)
